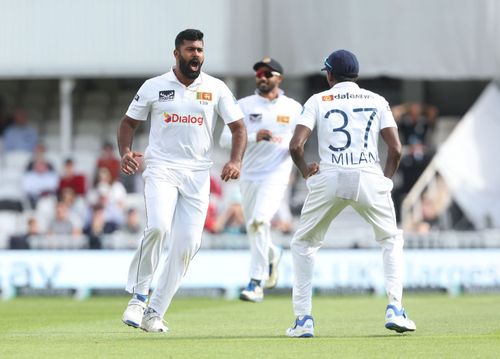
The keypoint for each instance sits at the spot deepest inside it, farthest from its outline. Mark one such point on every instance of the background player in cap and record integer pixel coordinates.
(270, 120)
(349, 120)
(182, 104)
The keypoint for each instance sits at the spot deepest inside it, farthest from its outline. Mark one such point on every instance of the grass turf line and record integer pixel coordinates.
(353, 327)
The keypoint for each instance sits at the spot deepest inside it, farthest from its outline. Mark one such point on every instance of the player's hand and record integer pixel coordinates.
(231, 170)
(312, 169)
(264, 135)
(129, 163)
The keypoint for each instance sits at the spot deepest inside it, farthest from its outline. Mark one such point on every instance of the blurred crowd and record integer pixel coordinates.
(68, 203)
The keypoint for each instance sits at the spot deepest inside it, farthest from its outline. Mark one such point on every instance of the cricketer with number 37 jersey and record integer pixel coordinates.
(348, 121)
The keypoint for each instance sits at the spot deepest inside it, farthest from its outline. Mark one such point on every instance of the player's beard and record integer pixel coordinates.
(186, 69)
(265, 87)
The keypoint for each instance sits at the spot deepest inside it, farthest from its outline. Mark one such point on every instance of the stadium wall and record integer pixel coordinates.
(349, 270)
(426, 39)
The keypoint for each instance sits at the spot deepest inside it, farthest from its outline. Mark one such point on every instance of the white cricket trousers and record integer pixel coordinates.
(176, 208)
(321, 206)
(260, 200)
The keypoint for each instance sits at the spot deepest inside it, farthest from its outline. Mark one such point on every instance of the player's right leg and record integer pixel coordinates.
(160, 200)
(320, 208)
(377, 208)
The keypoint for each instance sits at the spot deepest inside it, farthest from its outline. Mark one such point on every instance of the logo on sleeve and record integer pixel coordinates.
(255, 117)
(166, 95)
(137, 97)
(283, 119)
(327, 98)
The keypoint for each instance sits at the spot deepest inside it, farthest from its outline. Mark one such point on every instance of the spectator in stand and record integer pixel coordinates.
(415, 120)
(62, 223)
(5, 119)
(77, 206)
(109, 160)
(106, 186)
(412, 165)
(132, 224)
(40, 181)
(39, 154)
(97, 227)
(23, 241)
(20, 136)
(70, 179)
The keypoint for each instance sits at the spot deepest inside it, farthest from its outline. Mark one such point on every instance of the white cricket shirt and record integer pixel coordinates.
(348, 120)
(267, 159)
(182, 118)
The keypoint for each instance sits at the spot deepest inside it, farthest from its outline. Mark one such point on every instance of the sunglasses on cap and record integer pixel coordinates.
(266, 73)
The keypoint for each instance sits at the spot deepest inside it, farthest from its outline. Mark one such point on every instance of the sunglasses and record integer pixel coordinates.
(266, 73)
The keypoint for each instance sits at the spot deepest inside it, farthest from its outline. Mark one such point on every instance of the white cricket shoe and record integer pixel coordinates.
(152, 322)
(274, 260)
(134, 312)
(303, 327)
(252, 293)
(396, 319)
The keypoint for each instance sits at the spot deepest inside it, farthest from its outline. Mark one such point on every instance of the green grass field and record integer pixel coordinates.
(353, 327)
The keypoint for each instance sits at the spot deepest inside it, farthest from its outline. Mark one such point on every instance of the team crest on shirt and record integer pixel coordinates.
(205, 96)
(255, 117)
(283, 119)
(166, 95)
(327, 98)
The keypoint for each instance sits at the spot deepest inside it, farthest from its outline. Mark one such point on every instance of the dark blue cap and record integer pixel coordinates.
(342, 62)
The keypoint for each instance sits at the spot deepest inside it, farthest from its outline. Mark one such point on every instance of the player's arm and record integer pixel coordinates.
(391, 138)
(126, 130)
(300, 136)
(231, 170)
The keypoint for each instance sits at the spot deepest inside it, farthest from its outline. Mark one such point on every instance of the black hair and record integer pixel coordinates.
(188, 34)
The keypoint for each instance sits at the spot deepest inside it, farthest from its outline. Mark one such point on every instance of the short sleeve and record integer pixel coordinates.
(227, 107)
(386, 117)
(141, 104)
(309, 112)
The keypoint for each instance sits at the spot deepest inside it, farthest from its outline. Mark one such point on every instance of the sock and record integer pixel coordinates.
(141, 297)
(256, 281)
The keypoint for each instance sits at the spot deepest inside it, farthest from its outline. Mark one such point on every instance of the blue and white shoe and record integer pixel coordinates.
(134, 312)
(303, 327)
(397, 320)
(252, 293)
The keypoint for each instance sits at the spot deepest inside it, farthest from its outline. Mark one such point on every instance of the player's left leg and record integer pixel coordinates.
(185, 241)
(376, 207)
(261, 200)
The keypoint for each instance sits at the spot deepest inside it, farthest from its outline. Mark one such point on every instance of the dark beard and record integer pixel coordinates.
(186, 70)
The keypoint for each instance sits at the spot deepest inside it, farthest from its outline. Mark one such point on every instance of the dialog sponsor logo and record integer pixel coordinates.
(174, 118)
(327, 98)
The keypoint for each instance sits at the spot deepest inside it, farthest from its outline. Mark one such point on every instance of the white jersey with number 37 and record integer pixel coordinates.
(348, 120)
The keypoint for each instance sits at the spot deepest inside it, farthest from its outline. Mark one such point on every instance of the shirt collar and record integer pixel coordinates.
(280, 93)
(345, 85)
(196, 83)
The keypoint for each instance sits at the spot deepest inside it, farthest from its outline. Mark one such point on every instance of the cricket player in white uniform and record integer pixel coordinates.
(182, 104)
(270, 120)
(348, 120)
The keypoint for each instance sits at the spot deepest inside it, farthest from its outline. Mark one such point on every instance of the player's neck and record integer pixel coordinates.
(183, 79)
(271, 95)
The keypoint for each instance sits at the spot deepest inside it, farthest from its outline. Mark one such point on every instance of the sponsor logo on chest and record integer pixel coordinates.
(178, 119)
(166, 95)
(283, 119)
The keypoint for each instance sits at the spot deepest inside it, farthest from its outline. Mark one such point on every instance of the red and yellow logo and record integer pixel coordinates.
(207, 96)
(283, 119)
(327, 98)
(174, 118)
